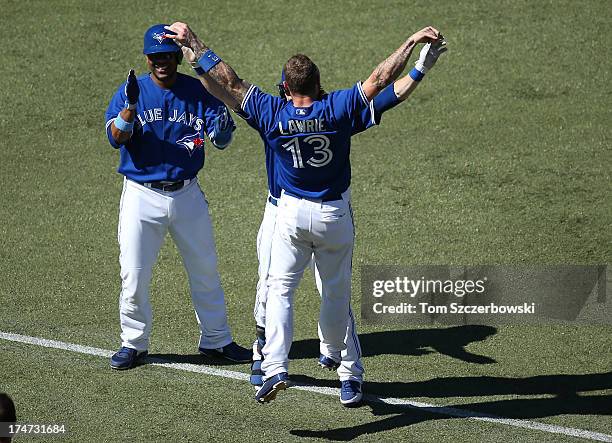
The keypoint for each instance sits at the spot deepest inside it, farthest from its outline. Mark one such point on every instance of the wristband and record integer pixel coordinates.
(416, 75)
(130, 106)
(199, 70)
(122, 125)
(208, 60)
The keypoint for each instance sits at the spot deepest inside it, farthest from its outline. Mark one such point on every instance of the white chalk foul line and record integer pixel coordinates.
(201, 369)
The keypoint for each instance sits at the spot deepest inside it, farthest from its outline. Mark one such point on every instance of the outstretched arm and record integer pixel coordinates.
(427, 59)
(387, 71)
(401, 89)
(220, 72)
(211, 86)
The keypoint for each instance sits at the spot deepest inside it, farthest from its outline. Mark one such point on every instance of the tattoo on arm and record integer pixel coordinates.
(227, 78)
(224, 75)
(198, 48)
(387, 71)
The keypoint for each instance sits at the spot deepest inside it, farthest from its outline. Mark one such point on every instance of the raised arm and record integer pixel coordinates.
(212, 86)
(122, 126)
(213, 68)
(427, 59)
(387, 71)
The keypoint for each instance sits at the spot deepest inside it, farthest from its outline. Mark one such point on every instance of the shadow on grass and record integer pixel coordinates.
(447, 341)
(567, 391)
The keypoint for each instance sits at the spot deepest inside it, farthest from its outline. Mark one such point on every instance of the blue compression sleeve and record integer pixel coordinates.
(384, 101)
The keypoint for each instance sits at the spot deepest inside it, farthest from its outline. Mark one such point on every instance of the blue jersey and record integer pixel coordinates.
(169, 129)
(311, 145)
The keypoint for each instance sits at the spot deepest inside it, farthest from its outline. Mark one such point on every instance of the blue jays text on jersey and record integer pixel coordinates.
(169, 130)
(157, 114)
(308, 148)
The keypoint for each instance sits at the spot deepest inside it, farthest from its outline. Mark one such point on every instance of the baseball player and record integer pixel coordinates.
(350, 367)
(158, 122)
(310, 136)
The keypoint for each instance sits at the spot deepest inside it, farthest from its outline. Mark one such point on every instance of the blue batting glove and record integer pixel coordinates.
(223, 128)
(132, 90)
(222, 120)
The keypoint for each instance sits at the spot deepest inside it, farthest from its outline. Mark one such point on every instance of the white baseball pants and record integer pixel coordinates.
(351, 367)
(305, 228)
(145, 216)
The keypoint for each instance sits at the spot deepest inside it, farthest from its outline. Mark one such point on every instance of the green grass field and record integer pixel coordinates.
(502, 156)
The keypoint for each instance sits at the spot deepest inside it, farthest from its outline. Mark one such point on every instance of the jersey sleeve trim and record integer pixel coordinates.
(369, 104)
(372, 114)
(362, 94)
(247, 96)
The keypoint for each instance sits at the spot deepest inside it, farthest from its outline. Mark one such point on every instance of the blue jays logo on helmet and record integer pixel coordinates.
(155, 40)
(159, 37)
(191, 142)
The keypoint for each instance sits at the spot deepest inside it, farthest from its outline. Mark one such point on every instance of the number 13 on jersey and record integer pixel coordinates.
(322, 154)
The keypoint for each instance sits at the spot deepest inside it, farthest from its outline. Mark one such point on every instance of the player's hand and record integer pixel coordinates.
(132, 90)
(425, 35)
(182, 34)
(222, 120)
(223, 128)
(189, 56)
(430, 53)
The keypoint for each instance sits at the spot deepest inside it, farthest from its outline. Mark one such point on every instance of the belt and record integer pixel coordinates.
(167, 186)
(273, 200)
(329, 198)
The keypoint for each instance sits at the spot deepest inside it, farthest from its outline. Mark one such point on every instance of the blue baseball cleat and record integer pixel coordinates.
(256, 378)
(350, 393)
(328, 363)
(126, 358)
(271, 386)
(231, 352)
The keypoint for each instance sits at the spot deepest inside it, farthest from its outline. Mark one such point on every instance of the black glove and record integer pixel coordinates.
(132, 90)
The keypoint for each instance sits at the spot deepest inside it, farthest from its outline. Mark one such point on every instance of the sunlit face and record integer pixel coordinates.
(163, 66)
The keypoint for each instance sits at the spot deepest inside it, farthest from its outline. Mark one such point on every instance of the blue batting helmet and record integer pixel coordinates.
(155, 41)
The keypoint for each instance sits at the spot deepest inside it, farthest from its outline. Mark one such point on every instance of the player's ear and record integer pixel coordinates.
(288, 93)
(179, 57)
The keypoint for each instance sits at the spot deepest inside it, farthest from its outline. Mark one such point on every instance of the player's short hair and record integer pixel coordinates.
(302, 75)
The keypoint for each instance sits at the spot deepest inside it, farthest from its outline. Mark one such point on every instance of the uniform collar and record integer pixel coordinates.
(300, 111)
